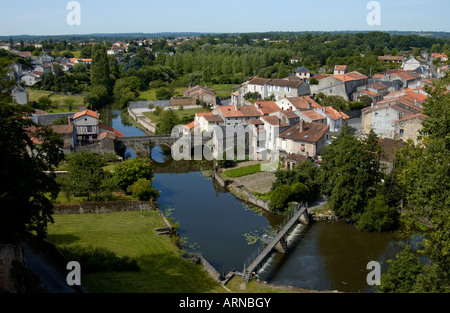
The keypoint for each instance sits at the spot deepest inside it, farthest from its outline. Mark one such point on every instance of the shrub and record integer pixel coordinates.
(280, 198)
(377, 216)
(300, 192)
(130, 171)
(143, 190)
(96, 259)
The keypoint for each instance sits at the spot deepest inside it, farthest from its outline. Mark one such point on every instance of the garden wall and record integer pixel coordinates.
(103, 207)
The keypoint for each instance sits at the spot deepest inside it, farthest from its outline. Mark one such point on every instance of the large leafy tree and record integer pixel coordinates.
(424, 175)
(86, 173)
(129, 172)
(28, 155)
(169, 119)
(351, 173)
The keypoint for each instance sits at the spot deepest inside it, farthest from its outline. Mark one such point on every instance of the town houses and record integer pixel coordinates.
(287, 118)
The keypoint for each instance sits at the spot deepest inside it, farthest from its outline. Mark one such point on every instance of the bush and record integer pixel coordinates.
(377, 216)
(300, 192)
(280, 198)
(95, 259)
(130, 171)
(143, 190)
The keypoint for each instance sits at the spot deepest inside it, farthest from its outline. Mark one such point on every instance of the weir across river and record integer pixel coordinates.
(277, 242)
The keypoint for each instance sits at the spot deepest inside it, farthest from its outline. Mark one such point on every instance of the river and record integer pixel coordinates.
(213, 222)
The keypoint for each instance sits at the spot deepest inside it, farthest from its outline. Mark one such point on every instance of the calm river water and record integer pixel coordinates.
(321, 256)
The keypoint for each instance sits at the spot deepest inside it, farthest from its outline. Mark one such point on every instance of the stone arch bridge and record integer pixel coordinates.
(143, 145)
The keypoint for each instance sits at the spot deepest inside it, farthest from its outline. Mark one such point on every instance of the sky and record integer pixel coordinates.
(50, 17)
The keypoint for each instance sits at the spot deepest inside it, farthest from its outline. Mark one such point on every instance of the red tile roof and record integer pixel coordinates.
(110, 129)
(351, 76)
(267, 107)
(301, 103)
(274, 121)
(86, 112)
(311, 133)
(312, 115)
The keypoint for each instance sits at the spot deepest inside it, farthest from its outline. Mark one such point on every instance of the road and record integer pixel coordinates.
(52, 279)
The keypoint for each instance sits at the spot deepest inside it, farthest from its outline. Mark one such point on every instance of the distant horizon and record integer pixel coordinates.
(82, 17)
(221, 33)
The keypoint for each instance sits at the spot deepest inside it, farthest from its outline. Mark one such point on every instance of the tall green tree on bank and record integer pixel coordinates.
(351, 172)
(27, 150)
(102, 81)
(425, 177)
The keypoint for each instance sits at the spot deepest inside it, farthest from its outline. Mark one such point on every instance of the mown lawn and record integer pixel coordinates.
(243, 171)
(132, 234)
(59, 100)
(185, 112)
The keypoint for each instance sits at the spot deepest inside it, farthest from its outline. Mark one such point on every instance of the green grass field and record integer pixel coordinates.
(59, 100)
(186, 112)
(243, 171)
(162, 269)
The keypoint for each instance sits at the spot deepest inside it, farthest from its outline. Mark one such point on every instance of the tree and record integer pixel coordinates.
(279, 198)
(85, 173)
(424, 176)
(169, 119)
(351, 173)
(163, 93)
(130, 171)
(100, 71)
(336, 102)
(305, 173)
(143, 190)
(27, 151)
(377, 216)
(402, 273)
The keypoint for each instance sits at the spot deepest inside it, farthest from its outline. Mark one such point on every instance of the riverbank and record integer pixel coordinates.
(255, 189)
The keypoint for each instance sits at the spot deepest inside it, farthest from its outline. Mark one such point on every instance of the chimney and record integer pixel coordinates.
(302, 126)
(309, 105)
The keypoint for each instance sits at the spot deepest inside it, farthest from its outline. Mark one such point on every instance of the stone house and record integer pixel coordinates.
(391, 58)
(409, 127)
(382, 117)
(202, 94)
(308, 139)
(44, 58)
(273, 126)
(341, 85)
(340, 69)
(233, 116)
(303, 73)
(207, 121)
(30, 79)
(20, 95)
(87, 127)
(334, 119)
(276, 88)
(292, 160)
(302, 103)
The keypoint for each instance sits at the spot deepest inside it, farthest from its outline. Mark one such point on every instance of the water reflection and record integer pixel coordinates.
(322, 256)
(334, 256)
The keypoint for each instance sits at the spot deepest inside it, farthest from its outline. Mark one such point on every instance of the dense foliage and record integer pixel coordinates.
(28, 150)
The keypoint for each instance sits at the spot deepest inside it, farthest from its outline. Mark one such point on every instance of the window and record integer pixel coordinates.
(288, 89)
(276, 88)
(269, 88)
(401, 132)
